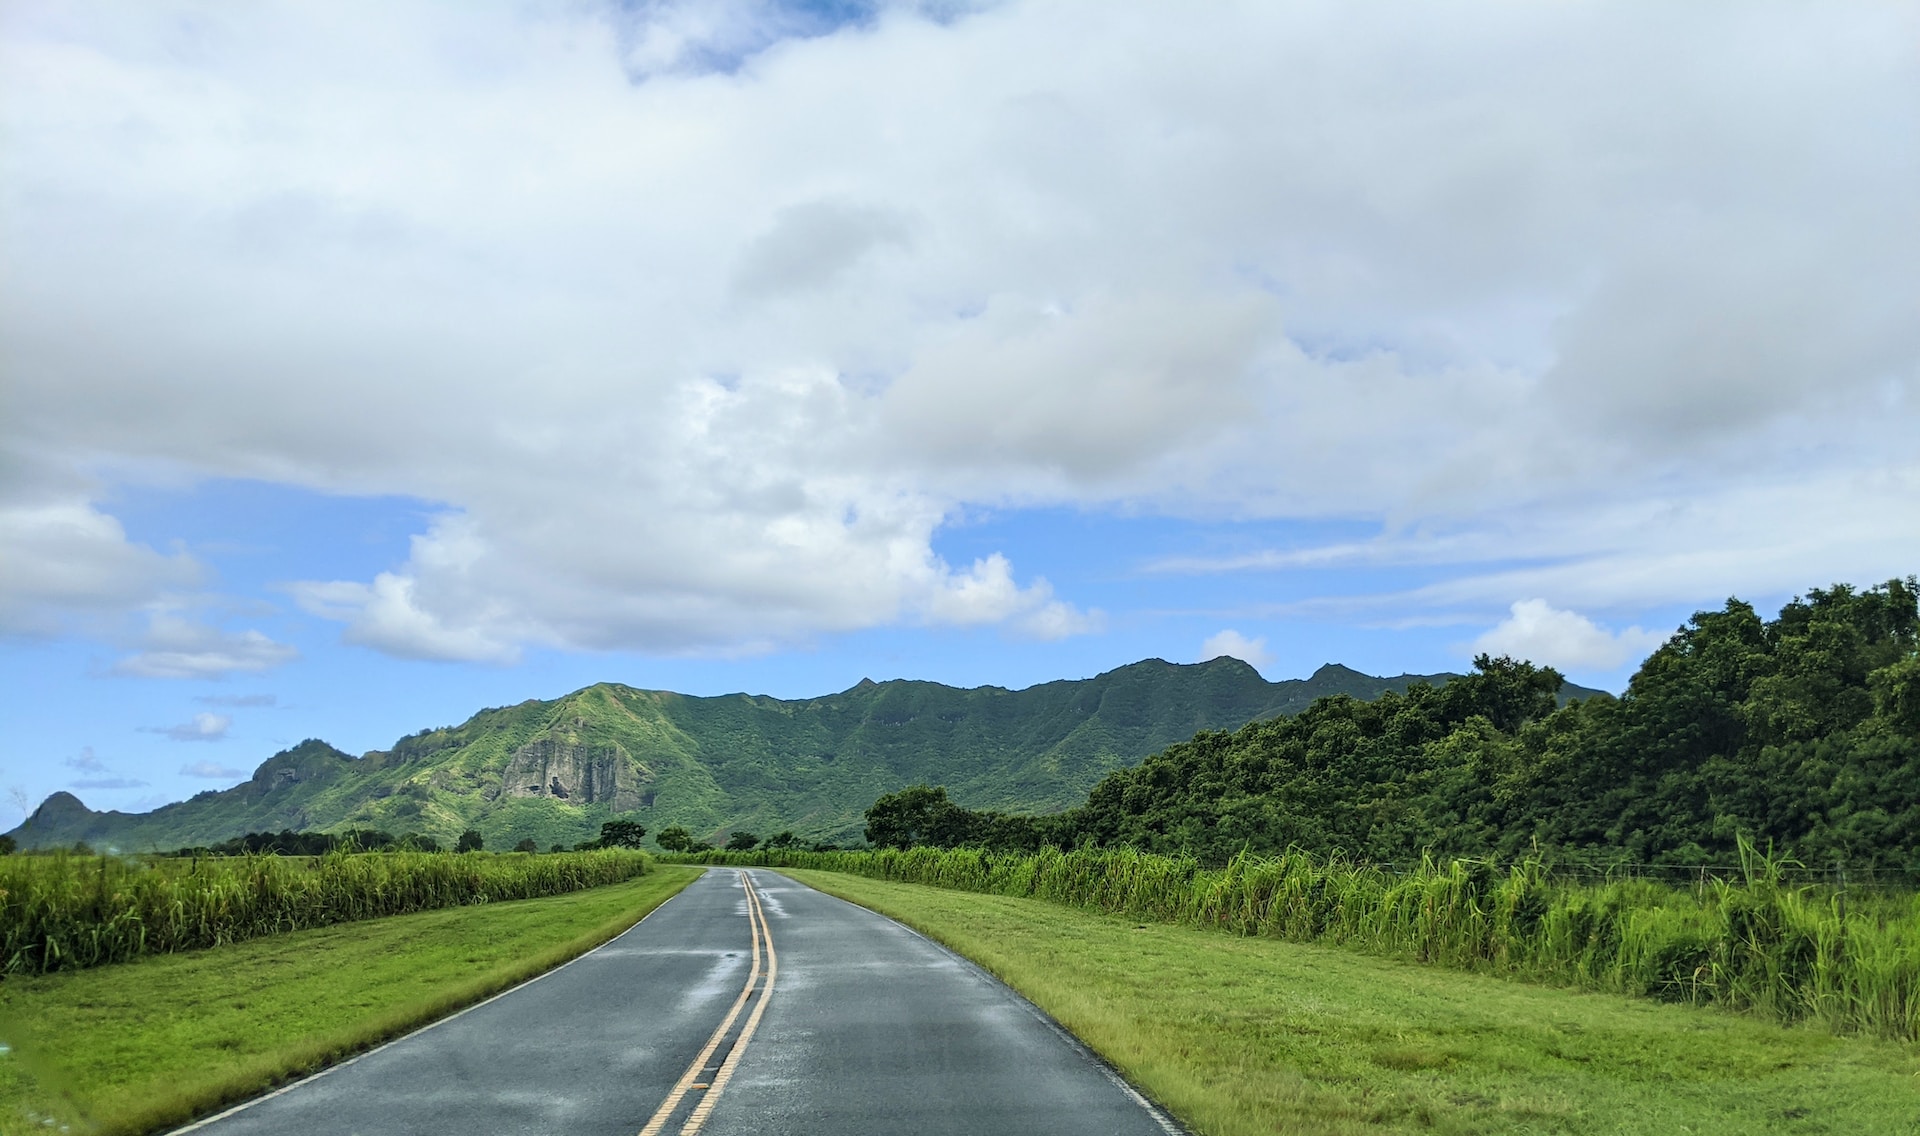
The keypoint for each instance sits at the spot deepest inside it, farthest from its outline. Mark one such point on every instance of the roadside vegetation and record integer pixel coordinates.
(1785, 952)
(148, 1044)
(1801, 732)
(1604, 844)
(65, 911)
(1238, 1036)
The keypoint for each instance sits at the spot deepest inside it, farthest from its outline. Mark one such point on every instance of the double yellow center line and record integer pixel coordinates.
(704, 1075)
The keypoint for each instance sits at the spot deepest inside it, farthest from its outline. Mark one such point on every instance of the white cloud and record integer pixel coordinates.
(1538, 632)
(85, 761)
(699, 340)
(811, 245)
(1231, 643)
(98, 774)
(238, 700)
(211, 770)
(1057, 619)
(987, 593)
(67, 560)
(1753, 539)
(106, 783)
(385, 616)
(202, 727)
(174, 647)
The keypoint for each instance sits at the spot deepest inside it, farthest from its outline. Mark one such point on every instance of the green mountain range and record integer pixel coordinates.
(553, 771)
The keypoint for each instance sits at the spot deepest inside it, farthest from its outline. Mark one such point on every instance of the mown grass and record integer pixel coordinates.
(143, 1045)
(62, 911)
(1249, 1035)
(1790, 953)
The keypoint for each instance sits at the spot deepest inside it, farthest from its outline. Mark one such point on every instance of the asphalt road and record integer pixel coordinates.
(769, 1008)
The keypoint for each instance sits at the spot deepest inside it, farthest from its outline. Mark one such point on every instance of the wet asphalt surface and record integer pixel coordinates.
(869, 1029)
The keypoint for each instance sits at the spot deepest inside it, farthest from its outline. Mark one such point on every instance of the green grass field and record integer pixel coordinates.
(1251, 1035)
(141, 1045)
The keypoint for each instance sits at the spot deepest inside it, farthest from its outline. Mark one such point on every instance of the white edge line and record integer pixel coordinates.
(415, 1032)
(1160, 1115)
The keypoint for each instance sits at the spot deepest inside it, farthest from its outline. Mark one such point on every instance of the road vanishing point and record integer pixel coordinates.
(747, 1003)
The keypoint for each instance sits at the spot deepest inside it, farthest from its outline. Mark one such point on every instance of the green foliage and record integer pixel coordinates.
(62, 911)
(470, 841)
(918, 815)
(742, 842)
(1789, 953)
(8, 846)
(673, 838)
(526, 845)
(622, 834)
(1803, 732)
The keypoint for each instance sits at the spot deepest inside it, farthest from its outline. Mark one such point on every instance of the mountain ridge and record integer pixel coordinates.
(551, 771)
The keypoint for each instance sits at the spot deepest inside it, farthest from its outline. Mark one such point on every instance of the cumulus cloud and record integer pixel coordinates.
(384, 615)
(211, 770)
(1541, 633)
(987, 593)
(175, 647)
(202, 727)
(699, 342)
(811, 245)
(66, 560)
(1232, 644)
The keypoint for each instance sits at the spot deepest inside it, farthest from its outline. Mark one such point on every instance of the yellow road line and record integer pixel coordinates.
(720, 1079)
(690, 1080)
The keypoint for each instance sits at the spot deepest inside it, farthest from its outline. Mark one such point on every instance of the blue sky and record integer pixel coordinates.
(368, 367)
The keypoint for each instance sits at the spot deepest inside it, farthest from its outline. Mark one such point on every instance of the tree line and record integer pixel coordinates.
(1802, 730)
(618, 833)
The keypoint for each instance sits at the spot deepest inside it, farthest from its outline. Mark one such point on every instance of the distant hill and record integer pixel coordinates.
(552, 771)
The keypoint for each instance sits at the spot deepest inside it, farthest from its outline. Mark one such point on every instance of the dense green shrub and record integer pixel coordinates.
(1803, 731)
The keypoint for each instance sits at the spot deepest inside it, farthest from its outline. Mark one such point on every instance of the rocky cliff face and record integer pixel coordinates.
(561, 767)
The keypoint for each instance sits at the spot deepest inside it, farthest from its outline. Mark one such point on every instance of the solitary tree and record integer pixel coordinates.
(470, 841)
(526, 845)
(782, 840)
(674, 838)
(918, 815)
(622, 834)
(742, 841)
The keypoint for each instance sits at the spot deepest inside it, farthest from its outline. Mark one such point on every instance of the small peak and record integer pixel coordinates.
(60, 803)
(61, 799)
(1234, 662)
(1336, 670)
(864, 684)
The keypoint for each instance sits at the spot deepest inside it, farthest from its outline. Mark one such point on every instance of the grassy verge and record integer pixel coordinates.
(139, 1046)
(1253, 1035)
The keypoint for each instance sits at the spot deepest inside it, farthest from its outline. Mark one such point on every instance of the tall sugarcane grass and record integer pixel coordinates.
(64, 911)
(1759, 944)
